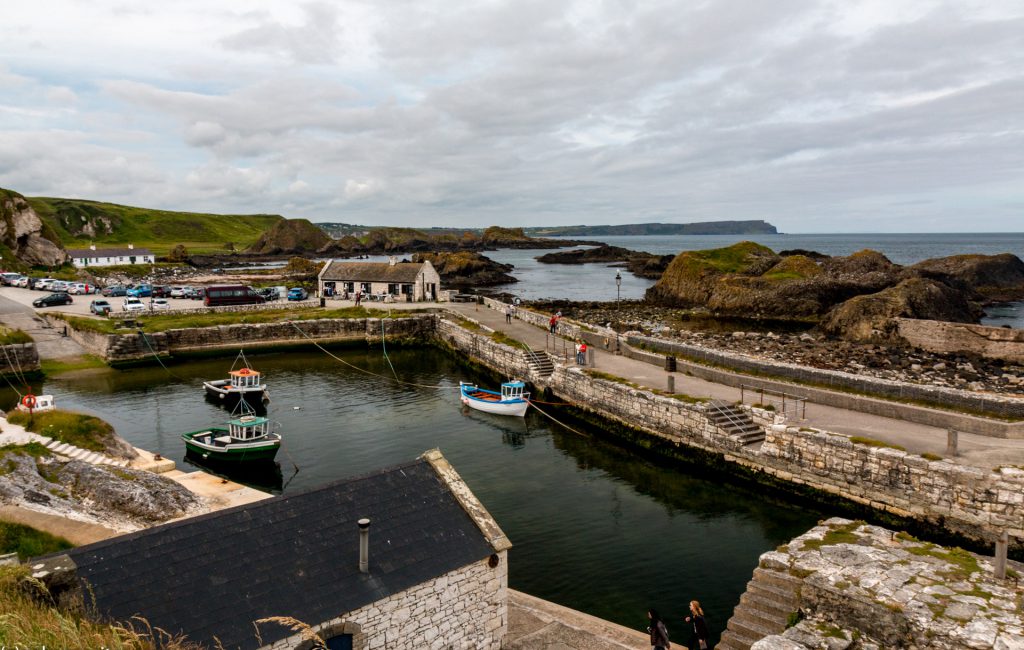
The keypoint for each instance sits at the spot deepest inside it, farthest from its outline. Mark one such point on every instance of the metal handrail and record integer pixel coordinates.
(796, 407)
(727, 414)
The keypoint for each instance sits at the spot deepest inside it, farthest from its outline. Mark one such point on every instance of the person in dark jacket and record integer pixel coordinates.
(700, 627)
(659, 635)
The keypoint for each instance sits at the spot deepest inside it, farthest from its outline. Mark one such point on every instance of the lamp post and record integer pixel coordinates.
(618, 287)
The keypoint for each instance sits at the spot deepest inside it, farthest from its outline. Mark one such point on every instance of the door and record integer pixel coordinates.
(340, 642)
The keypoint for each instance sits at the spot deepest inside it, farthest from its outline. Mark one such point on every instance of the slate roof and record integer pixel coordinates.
(107, 252)
(294, 555)
(371, 271)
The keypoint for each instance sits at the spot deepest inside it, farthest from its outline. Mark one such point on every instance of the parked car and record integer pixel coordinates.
(231, 294)
(100, 307)
(114, 291)
(141, 291)
(41, 284)
(7, 279)
(177, 292)
(131, 303)
(81, 288)
(21, 281)
(199, 293)
(269, 293)
(60, 285)
(186, 292)
(297, 293)
(159, 303)
(160, 291)
(52, 300)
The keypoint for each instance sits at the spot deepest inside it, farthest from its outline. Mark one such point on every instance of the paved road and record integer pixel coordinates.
(980, 451)
(50, 342)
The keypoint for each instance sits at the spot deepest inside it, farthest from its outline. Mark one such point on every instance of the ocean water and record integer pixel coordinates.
(597, 281)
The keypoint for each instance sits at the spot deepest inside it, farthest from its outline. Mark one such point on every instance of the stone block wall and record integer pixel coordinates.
(508, 361)
(465, 609)
(944, 337)
(200, 309)
(18, 358)
(965, 499)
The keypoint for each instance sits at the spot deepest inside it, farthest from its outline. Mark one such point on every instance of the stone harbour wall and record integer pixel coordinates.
(18, 358)
(465, 609)
(945, 337)
(962, 498)
(480, 347)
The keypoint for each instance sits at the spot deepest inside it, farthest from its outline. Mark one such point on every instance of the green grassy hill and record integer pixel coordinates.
(78, 223)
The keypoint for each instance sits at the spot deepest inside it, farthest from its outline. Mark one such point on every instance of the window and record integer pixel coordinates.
(393, 289)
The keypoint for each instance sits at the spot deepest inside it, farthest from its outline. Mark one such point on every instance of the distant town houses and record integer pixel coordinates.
(92, 256)
(402, 281)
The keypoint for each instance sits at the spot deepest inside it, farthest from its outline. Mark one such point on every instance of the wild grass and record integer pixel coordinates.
(70, 364)
(871, 442)
(836, 535)
(28, 542)
(10, 336)
(78, 429)
(28, 619)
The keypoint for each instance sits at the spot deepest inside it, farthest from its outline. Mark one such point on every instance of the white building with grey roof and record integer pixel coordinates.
(403, 281)
(92, 256)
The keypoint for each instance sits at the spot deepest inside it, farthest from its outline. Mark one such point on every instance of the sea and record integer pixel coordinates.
(538, 281)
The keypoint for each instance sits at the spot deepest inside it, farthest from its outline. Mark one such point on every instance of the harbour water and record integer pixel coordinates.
(597, 281)
(595, 527)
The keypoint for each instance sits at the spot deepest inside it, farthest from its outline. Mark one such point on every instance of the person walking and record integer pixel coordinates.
(508, 313)
(658, 631)
(700, 627)
(583, 352)
(576, 347)
(553, 324)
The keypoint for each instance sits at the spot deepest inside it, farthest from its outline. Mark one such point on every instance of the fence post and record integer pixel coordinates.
(742, 390)
(951, 441)
(671, 384)
(1002, 544)
(590, 354)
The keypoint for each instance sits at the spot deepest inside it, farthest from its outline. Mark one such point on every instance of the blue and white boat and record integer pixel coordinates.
(512, 400)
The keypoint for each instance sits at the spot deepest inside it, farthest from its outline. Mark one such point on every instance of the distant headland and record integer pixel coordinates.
(753, 227)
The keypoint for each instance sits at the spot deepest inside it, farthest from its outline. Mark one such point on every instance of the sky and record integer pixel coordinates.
(817, 116)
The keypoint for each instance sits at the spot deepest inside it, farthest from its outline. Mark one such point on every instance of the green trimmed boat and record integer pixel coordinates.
(248, 438)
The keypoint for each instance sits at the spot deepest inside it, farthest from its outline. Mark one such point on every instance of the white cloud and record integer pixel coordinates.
(812, 115)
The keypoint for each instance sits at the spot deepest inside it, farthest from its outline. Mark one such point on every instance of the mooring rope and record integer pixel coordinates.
(553, 419)
(385, 347)
(157, 356)
(11, 366)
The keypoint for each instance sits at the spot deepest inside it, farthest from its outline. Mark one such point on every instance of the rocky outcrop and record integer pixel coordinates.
(870, 317)
(992, 277)
(290, 236)
(641, 264)
(467, 269)
(690, 279)
(117, 497)
(22, 231)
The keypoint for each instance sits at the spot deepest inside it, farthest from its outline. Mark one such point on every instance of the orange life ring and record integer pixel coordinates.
(29, 401)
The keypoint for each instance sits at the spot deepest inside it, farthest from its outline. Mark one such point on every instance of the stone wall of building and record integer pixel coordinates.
(962, 498)
(18, 358)
(944, 337)
(465, 609)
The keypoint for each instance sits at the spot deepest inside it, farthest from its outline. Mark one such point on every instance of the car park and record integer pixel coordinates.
(132, 303)
(114, 291)
(297, 293)
(159, 303)
(53, 300)
(100, 307)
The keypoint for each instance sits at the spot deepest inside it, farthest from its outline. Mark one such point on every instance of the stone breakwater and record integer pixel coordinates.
(968, 501)
(851, 586)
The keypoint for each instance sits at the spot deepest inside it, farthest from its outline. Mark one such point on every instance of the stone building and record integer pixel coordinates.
(435, 573)
(403, 281)
(92, 256)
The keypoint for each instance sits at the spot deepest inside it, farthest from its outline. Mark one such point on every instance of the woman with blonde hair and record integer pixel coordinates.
(700, 627)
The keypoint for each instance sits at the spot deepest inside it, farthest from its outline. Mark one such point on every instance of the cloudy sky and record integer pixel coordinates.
(819, 116)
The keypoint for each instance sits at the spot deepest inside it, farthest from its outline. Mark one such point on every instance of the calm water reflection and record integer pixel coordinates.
(594, 527)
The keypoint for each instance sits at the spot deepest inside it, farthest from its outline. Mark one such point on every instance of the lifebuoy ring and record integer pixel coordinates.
(29, 401)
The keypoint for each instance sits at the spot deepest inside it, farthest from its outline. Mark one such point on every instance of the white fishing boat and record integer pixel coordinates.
(36, 403)
(512, 400)
(241, 383)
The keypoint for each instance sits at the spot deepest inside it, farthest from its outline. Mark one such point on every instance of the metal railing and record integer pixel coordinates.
(790, 406)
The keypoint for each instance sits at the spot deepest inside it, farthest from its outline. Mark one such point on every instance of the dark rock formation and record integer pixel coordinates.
(23, 232)
(642, 264)
(467, 268)
(290, 236)
(690, 279)
(992, 277)
(869, 317)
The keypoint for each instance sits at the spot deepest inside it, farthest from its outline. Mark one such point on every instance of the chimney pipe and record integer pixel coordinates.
(364, 545)
(392, 260)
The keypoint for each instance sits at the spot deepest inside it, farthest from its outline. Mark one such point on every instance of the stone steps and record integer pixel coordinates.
(764, 609)
(84, 455)
(540, 362)
(735, 422)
